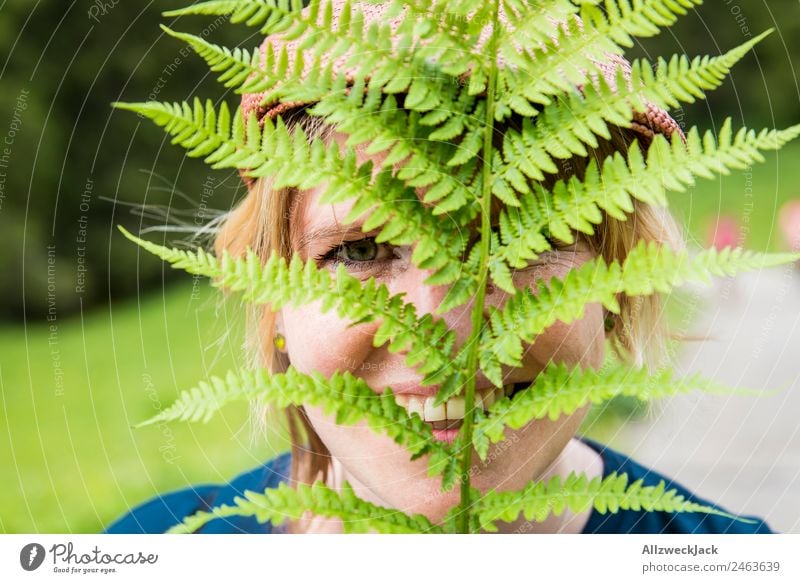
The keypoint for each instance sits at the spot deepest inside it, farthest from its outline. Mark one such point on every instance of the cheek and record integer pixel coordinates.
(581, 342)
(527, 452)
(322, 342)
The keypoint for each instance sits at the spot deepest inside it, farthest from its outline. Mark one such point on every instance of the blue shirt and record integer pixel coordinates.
(162, 512)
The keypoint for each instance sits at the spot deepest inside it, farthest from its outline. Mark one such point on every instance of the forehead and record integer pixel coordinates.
(310, 220)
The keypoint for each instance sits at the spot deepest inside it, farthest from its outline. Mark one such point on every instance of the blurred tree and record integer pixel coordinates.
(70, 166)
(763, 88)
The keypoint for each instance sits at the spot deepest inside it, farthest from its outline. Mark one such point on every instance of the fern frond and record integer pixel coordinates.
(422, 142)
(448, 32)
(367, 50)
(565, 128)
(464, 287)
(271, 150)
(251, 73)
(647, 269)
(537, 42)
(540, 36)
(681, 80)
(277, 505)
(348, 397)
(428, 342)
(576, 205)
(532, 25)
(559, 390)
(197, 127)
(243, 70)
(452, 379)
(608, 495)
(287, 18)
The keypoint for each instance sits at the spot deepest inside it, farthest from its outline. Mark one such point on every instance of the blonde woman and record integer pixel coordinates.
(290, 220)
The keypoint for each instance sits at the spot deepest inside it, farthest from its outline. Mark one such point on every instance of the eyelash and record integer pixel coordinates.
(331, 255)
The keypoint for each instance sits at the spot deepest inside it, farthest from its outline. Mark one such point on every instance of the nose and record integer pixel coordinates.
(427, 299)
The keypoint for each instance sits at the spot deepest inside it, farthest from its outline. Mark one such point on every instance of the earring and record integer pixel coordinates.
(609, 322)
(280, 342)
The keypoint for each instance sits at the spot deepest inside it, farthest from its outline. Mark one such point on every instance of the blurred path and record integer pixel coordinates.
(739, 451)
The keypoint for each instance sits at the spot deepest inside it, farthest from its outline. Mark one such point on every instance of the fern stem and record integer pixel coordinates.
(473, 341)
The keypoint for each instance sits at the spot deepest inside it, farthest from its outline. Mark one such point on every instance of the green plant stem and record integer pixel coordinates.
(477, 310)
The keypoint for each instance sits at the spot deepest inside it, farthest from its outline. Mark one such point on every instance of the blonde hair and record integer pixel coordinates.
(262, 222)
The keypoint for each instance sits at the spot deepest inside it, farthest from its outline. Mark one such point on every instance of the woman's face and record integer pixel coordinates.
(378, 468)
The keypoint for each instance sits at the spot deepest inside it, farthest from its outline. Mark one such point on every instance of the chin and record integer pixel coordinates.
(429, 501)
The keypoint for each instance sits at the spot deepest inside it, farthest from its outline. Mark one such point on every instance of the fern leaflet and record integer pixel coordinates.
(293, 162)
(565, 128)
(557, 391)
(608, 495)
(576, 205)
(350, 398)
(428, 342)
(284, 502)
(647, 269)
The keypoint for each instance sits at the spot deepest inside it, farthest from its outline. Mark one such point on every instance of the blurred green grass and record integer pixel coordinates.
(72, 462)
(752, 197)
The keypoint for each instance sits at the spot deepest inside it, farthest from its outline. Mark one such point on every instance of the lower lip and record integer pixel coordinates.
(446, 435)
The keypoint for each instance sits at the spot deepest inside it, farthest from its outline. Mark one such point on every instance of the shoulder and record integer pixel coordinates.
(642, 522)
(160, 513)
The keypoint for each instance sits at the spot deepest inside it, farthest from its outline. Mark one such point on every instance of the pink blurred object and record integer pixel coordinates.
(789, 224)
(724, 233)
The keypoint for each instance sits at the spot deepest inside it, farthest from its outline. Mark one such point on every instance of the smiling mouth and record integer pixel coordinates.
(450, 414)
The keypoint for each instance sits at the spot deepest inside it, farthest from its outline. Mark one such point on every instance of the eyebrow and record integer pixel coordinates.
(337, 231)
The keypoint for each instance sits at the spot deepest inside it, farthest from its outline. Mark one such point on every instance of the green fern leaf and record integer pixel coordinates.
(284, 502)
(366, 51)
(647, 269)
(344, 395)
(428, 342)
(575, 205)
(538, 500)
(541, 35)
(465, 286)
(566, 127)
(557, 391)
(409, 137)
(243, 70)
(449, 32)
(292, 161)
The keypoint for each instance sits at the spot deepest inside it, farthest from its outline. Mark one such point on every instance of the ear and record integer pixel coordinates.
(279, 326)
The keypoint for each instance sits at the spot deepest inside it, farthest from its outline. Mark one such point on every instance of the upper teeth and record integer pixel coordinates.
(454, 407)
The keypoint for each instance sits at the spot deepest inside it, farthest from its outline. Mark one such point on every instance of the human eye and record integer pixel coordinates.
(358, 255)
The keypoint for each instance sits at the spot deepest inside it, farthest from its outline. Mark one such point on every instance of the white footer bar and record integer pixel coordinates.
(371, 558)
